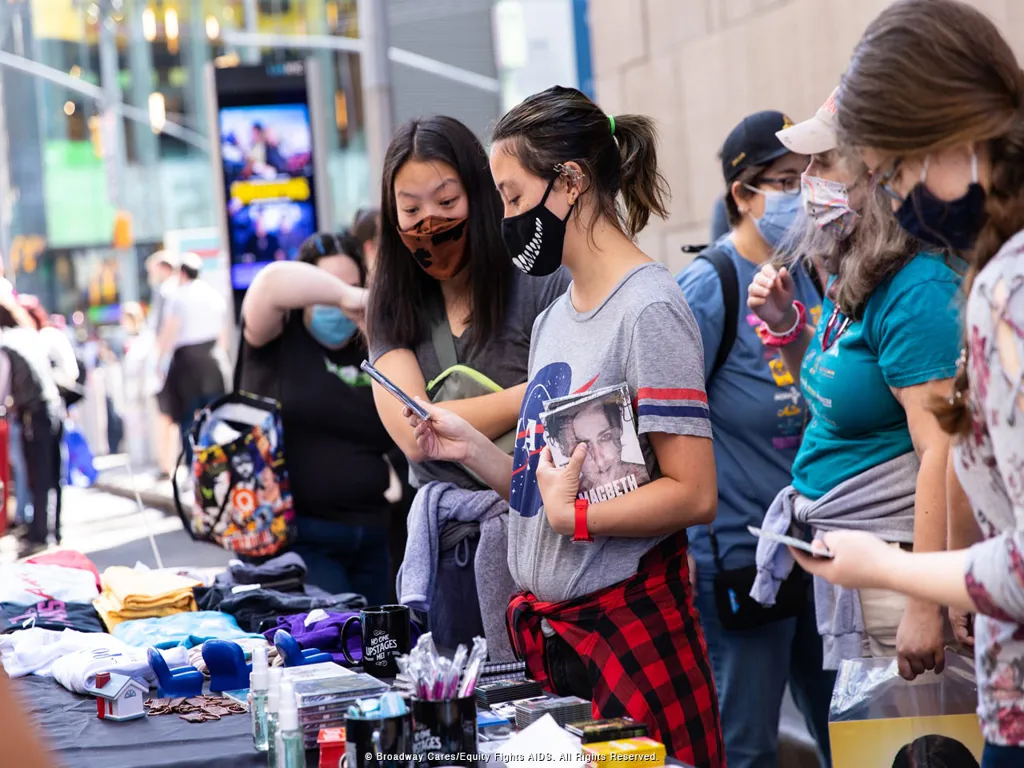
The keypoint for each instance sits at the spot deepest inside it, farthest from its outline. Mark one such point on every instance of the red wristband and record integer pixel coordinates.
(771, 339)
(581, 532)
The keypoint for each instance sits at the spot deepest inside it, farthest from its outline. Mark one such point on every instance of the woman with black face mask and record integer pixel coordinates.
(604, 608)
(449, 320)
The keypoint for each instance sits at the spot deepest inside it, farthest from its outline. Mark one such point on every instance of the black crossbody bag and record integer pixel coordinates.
(736, 608)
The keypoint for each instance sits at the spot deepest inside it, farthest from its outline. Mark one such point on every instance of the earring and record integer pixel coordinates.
(574, 174)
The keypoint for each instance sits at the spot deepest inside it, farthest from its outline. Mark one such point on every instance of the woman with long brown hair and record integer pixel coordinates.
(869, 371)
(934, 100)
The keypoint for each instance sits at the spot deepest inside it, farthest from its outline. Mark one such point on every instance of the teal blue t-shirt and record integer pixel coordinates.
(909, 334)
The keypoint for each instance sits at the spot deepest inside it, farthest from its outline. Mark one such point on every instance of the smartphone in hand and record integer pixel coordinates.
(789, 541)
(395, 392)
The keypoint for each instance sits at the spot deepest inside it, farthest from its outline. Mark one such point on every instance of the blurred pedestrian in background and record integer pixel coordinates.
(162, 271)
(366, 229)
(190, 331)
(36, 407)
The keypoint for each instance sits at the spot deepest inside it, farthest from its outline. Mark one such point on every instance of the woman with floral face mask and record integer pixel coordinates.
(449, 320)
(758, 416)
(886, 343)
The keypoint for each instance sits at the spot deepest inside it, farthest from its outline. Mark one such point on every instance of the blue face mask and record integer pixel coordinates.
(780, 211)
(330, 327)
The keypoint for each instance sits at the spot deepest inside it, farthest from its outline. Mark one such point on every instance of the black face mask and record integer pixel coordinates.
(954, 224)
(534, 239)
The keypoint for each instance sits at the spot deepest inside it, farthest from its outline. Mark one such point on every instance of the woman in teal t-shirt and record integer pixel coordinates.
(873, 456)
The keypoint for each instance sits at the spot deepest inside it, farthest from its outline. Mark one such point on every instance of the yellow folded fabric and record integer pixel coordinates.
(138, 594)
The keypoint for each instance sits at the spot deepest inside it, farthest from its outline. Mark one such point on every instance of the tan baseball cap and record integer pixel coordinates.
(815, 135)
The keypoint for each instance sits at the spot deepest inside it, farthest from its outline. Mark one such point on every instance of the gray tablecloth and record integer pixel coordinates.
(82, 740)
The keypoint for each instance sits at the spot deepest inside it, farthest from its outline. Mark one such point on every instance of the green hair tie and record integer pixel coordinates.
(611, 122)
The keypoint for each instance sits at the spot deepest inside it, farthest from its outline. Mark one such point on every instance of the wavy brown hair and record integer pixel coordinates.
(562, 124)
(933, 74)
(877, 248)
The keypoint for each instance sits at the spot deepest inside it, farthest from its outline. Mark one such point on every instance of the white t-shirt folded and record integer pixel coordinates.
(79, 669)
(74, 658)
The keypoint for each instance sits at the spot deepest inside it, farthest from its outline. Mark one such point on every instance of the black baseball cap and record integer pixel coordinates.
(753, 142)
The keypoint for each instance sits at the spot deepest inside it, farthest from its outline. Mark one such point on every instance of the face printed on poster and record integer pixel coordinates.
(603, 421)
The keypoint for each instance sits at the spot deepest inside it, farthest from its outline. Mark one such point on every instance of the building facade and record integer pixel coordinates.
(67, 168)
(699, 66)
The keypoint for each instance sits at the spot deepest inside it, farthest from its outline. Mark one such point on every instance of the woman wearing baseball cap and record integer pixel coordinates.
(934, 98)
(885, 345)
(757, 414)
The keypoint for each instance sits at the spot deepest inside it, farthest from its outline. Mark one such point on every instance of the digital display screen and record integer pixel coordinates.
(267, 154)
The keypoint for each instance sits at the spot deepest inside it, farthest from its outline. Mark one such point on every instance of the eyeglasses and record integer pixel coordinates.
(787, 185)
(885, 181)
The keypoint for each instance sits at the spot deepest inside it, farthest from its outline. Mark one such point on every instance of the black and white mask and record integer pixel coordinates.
(534, 239)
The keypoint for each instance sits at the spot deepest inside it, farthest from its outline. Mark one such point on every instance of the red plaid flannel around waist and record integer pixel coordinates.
(644, 651)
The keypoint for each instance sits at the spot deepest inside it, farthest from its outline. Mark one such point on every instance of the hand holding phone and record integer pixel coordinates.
(790, 541)
(394, 391)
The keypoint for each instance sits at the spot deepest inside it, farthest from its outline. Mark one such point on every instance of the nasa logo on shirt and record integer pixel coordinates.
(551, 381)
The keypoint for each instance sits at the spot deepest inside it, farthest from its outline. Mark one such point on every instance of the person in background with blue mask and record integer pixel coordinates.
(303, 346)
(758, 415)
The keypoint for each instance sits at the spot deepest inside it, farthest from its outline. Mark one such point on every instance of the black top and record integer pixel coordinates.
(334, 441)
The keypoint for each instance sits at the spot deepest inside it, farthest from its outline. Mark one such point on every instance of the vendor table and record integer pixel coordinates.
(80, 739)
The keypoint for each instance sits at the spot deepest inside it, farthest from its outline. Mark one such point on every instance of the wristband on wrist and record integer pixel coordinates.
(772, 339)
(581, 532)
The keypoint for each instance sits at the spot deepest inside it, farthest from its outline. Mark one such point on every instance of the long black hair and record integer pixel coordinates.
(403, 295)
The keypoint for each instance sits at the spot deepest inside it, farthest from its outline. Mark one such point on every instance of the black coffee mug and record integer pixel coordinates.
(444, 732)
(388, 632)
(378, 742)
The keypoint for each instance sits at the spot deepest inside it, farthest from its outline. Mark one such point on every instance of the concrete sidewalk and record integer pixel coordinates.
(118, 479)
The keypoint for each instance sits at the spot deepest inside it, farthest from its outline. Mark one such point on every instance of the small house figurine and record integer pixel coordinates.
(118, 697)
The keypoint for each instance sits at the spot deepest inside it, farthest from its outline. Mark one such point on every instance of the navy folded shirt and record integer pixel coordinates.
(49, 614)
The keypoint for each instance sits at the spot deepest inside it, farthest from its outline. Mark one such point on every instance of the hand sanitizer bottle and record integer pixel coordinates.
(273, 706)
(291, 751)
(259, 682)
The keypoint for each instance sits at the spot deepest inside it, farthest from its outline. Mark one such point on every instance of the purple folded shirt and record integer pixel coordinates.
(324, 634)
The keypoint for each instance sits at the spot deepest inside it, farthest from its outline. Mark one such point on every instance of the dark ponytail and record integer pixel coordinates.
(644, 189)
(617, 154)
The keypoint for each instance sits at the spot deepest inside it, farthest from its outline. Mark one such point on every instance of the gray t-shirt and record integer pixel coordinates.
(643, 334)
(504, 360)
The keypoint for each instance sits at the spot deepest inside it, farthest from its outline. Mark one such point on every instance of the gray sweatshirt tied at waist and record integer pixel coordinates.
(878, 501)
(435, 513)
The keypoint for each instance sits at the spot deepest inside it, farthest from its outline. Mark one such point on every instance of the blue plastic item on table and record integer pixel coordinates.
(189, 629)
(226, 663)
(294, 656)
(172, 683)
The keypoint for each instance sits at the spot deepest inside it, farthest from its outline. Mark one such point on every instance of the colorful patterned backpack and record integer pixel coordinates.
(243, 501)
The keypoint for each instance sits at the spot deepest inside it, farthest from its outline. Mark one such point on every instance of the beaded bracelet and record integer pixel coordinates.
(772, 339)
